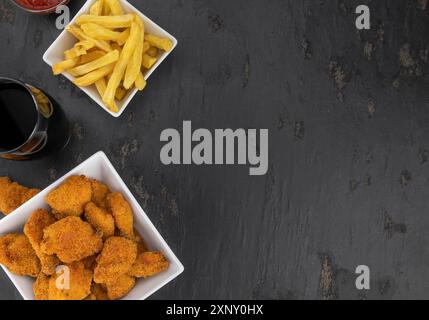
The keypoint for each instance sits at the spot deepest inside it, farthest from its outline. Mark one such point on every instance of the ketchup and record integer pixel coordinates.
(38, 4)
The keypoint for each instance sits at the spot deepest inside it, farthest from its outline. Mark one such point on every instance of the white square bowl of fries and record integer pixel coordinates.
(109, 50)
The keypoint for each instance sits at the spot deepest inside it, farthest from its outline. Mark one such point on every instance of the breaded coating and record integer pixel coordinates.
(58, 216)
(33, 229)
(99, 193)
(120, 287)
(116, 259)
(148, 264)
(98, 292)
(100, 219)
(29, 194)
(79, 286)
(89, 262)
(4, 182)
(141, 245)
(71, 239)
(13, 195)
(91, 297)
(70, 197)
(17, 254)
(122, 213)
(41, 287)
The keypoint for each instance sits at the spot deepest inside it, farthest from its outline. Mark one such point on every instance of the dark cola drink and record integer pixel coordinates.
(32, 124)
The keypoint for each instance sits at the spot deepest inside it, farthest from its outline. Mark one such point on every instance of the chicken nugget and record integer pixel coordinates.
(148, 264)
(98, 292)
(73, 283)
(13, 195)
(89, 262)
(116, 259)
(33, 229)
(100, 219)
(58, 216)
(120, 287)
(17, 254)
(4, 182)
(41, 287)
(71, 239)
(70, 197)
(29, 194)
(122, 213)
(91, 297)
(99, 193)
(141, 245)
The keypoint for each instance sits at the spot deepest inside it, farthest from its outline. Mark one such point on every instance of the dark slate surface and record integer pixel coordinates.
(349, 143)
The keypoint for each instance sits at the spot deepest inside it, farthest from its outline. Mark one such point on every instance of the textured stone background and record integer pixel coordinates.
(349, 143)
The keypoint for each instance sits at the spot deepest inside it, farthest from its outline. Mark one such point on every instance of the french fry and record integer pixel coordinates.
(79, 34)
(113, 107)
(101, 85)
(116, 46)
(106, 9)
(140, 82)
(91, 56)
(152, 51)
(92, 77)
(123, 37)
(121, 65)
(148, 61)
(86, 44)
(97, 8)
(79, 49)
(62, 66)
(105, 60)
(134, 66)
(112, 22)
(115, 7)
(120, 93)
(113, 52)
(74, 53)
(161, 43)
(94, 49)
(99, 32)
(146, 46)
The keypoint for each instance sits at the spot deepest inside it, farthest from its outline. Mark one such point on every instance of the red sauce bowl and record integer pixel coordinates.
(39, 6)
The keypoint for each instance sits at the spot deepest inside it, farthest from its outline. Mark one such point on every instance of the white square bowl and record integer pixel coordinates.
(65, 41)
(100, 168)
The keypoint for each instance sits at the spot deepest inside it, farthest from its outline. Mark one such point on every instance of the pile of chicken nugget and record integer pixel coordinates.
(89, 232)
(13, 195)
